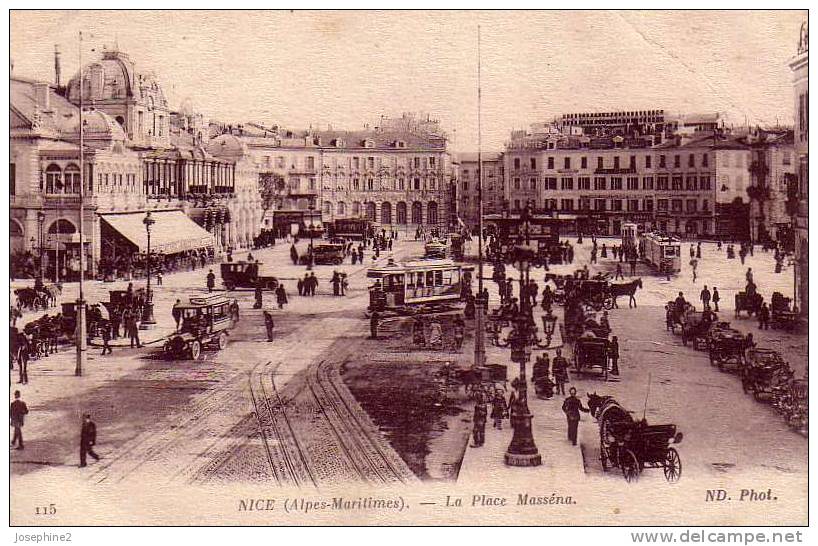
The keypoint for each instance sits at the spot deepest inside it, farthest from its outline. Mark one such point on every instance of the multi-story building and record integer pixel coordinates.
(800, 196)
(771, 169)
(397, 177)
(466, 192)
(139, 156)
(631, 122)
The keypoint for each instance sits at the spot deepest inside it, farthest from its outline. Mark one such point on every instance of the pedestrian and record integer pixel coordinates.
(572, 406)
(211, 280)
(699, 250)
(559, 369)
(479, 422)
(281, 296)
(294, 254)
(132, 328)
(619, 274)
(17, 416)
(613, 354)
(88, 439)
(716, 299)
(705, 297)
(694, 264)
(344, 284)
(105, 327)
(300, 286)
(23, 355)
(177, 313)
(692, 252)
(764, 317)
(354, 257)
(269, 324)
(336, 283)
(313, 283)
(373, 325)
(459, 332)
(259, 296)
(499, 409)
(749, 275)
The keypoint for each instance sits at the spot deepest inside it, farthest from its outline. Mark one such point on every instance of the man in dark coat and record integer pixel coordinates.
(269, 324)
(373, 325)
(132, 328)
(716, 299)
(88, 439)
(105, 327)
(559, 368)
(17, 413)
(259, 296)
(211, 281)
(479, 421)
(613, 354)
(572, 406)
(177, 313)
(294, 254)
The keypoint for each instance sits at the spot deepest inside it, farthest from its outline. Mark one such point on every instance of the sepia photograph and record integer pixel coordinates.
(408, 268)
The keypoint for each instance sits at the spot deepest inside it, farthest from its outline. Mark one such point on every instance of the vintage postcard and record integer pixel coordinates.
(408, 268)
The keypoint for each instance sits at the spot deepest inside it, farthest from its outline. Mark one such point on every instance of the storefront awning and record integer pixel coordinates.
(173, 231)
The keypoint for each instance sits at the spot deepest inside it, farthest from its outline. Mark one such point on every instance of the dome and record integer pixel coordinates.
(101, 126)
(114, 77)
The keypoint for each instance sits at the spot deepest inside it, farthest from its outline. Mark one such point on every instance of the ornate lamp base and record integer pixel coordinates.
(514, 459)
(522, 451)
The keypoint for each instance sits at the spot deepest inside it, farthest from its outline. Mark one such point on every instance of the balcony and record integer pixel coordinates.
(625, 170)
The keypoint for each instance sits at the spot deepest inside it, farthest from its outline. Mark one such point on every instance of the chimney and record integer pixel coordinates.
(57, 67)
(42, 96)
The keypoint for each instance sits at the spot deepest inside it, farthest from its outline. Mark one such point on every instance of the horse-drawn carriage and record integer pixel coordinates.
(634, 445)
(792, 401)
(726, 347)
(40, 296)
(781, 313)
(696, 328)
(595, 293)
(748, 302)
(591, 353)
(764, 372)
(481, 381)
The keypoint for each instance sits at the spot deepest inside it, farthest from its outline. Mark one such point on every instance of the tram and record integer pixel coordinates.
(662, 252)
(629, 235)
(414, 284)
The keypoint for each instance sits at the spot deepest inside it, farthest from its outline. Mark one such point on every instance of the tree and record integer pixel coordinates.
(269, 186)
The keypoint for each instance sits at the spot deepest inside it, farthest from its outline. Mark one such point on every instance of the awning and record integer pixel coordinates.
(173, 231)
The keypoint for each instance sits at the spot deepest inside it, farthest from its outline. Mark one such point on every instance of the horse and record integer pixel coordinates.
(627, 289)
(610, 416)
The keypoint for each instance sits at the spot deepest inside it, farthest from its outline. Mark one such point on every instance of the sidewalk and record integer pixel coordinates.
(157, 334)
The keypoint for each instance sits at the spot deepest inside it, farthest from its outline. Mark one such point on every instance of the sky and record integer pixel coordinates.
(301, 69)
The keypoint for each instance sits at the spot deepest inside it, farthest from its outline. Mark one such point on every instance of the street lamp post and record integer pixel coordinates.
(311, 227)
(147, 313)
(522, 451)
(41, 237)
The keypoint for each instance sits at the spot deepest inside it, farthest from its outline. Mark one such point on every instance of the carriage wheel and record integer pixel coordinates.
(222, 341)
(758, 394)
(195, 349)
(672, 466)
(630, 466)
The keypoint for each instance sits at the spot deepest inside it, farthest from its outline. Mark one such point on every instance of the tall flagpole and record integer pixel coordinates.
(81, 326)
(480, 329)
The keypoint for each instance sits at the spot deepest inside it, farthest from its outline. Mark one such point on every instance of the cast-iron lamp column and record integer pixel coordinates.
(148, 321)
(311, 226)
(41, 235)
(522, 451)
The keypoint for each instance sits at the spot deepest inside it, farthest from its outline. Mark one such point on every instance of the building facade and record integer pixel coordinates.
(799, 206)
(771, 169)
(466, 190)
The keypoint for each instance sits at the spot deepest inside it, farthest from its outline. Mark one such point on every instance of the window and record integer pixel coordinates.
(648, 161)
(280, 162)
(690, 183)
(72, 179)
(633, 205)
(567, 184)
(583, 162)
(432, 184)
(550, 184)
(691, 205)
(310, 163)
(516, 183)
(566, 204)
(705, 160)
(516, 163)
(616, 204)
(516, 204)
(600, 163)
(356, 184)
(676, 205)
(676, 183)
(584, 183)
(567, 163)
(647, 183)
(662, 162)
(370, 183)
(356, 163)
(616, 162)
(647, 204)
(677, 161)
(417, 162)
(633, 183)
(465, 185)
(661, 205)
(600, 183)
(691, 160)
(416, 182)
(533, 163)
(532, 183)
(616, 183)
(705, 205)
(599, 204)
(53, 179)
(432, 162)
(370, 163)
(401, 184)
(785, 158)
(661, 183)
(585, 203)
(550, 162)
